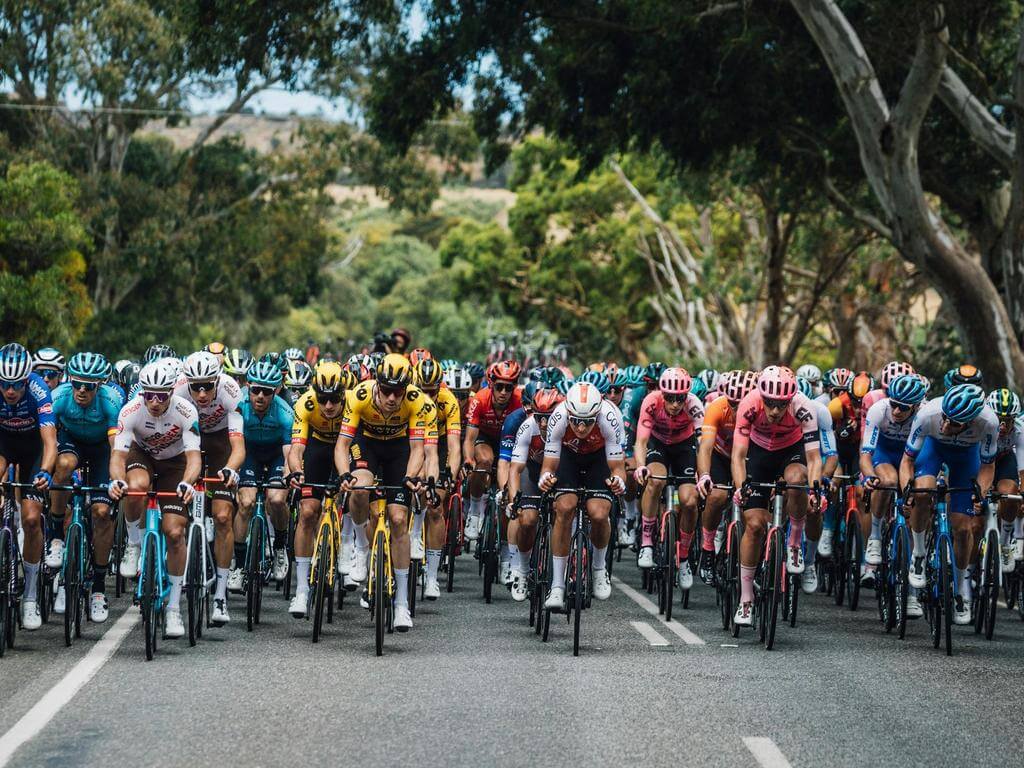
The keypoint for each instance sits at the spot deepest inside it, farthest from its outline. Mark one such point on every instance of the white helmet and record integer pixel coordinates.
(48, 357)
(711, 378)
(810, 372)
(157, 376)
(15, 362)
(583, 401)
(201, 366)
(458, 378)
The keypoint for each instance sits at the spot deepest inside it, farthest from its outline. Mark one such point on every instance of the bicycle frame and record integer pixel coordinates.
(152, 531)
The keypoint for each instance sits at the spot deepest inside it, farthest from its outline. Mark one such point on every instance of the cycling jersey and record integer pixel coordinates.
(32, 411)
(825, 431)
(310, 420)
(869, 400)
(1012, 441)
(91, 424)
(162, 437)
(719, 424)
(656, 422)
(983, 431)
(274, 427)
(449, 415)
(606, 433)
(528, 443)
(798, 421)
(845, 419)
(416, 417)
(881, 429)
(509, 432)
(481, 412)
(222, 412)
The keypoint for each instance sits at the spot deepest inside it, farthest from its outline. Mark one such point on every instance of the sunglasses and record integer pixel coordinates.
(156, 397)
(504, 387)
(616, 390)
(17, 386)
(675, 398)
(329, 399)
(954, 424)
(202, 386)
(775, 404)
(577, 422)
(265, 391)
(392, 391)
(900, 406)
(49, 374)
(83, 386)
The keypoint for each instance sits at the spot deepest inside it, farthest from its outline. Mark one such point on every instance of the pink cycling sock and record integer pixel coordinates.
(747, 584)
(647, 532)
(707, 540)
(796, 532)
(683, 546)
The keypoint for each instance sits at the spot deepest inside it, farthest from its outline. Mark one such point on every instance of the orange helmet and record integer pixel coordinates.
(419, 354)
(546, 400)
(506, 370)
(862, 384)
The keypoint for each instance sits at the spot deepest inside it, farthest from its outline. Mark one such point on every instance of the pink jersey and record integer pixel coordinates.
(798, 422)
(870, 399)
(669, 430)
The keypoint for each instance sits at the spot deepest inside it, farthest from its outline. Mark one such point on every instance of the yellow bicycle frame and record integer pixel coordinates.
(378, 507)
(329, 526)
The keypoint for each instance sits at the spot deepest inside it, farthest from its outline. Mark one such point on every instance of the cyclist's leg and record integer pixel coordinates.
(963, 464)
(717, 500)
(173, 523)
(479, 482)
(683, 463)
(318, 463)
(650, 505)
(98, 460)
(630, 502)
(67, 463)
(564, 507)
(795, 473)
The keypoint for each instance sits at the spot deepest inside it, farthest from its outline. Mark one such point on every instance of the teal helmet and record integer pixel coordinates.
(265, 373)
(89, 365)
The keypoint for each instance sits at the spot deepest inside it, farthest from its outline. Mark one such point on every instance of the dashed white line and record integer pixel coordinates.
(650, 633)
(673, 626)
(766, 752)
(44, 710)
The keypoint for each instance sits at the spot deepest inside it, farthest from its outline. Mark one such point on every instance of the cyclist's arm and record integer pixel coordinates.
(416, 459)
(118, 464)
(985, 477)
(867, 467)
(906, 470)
(49, 460)
(342, 457)
(193, 466)
(813, 465)
(468, 453)
(502, 473)
(515, 474)
(740, 444)
(454, 454)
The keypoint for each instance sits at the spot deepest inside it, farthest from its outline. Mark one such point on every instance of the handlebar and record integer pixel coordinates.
(153, 494)
(76, 489)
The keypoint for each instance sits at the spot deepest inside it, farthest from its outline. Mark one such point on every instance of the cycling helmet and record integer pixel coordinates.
(634, 375)
(329, 378)
(963, 403)
(15, 362)
(158, 352)
(448, 363)
(804, 386)
(264, 374)
(698, 389)
(546, 400)
(275, 358)
(157, 376)
(1004, 402)
(967, 374)
(428, 373)
(892, 371)
(583, 401)
(840, 378)
(907, 389)
(215, 348)
(777, 382)
(551, 376)
(457, 379)
(237, 362)
(711, 378)
(201, 366)
(675, 381)
(120, 365)
(531, 389)
(89, 365)
(598, 379)
(947, 379)
(810, 373)
(299, 374)
(128, 376)
(420, 353)
(506, 370)
(563, 387)
(739, 384)
(48, 357)
(394, 371)
(652, 373)
(293, 353)
(861, 384)
(475, 370)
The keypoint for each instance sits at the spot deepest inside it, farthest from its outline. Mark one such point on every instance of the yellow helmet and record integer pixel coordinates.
(394, 371)
(328, 378)
(428, 373)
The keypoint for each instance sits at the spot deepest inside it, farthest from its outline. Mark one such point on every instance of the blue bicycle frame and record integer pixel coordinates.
(151, 532)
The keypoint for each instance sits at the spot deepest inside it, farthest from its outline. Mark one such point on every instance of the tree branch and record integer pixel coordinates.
(840, 201)
(242, 97)
(994, 139)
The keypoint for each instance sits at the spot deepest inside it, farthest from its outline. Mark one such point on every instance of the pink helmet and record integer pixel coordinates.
(840, 378)
(892, 371)
(738, 385)
(777, 382)
(675, 381)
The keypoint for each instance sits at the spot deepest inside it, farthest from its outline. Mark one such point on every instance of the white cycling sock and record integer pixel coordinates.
(222, 584)
(503, 555)
(348, 528)
(965, 583)
(31, 580)
(1006, 529)
(362, 542)
(630, 508)
(920, 545)
(876, 527)
(134, 534)
(433, 563)
(402, 587)
(476, 506)
(513, 554)
(174, 599)
(600, 558)
(558, 572)
(524, 561)
(1018, 528)
(302, 575)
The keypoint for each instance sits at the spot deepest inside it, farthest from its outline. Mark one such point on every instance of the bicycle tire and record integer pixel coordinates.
(901, 584)
(380, 596)
(72, 583)
(6, 578)
(735, 593)
(489, 558)
(993, 573)
(669, 539)
(150, 598)
(452, 538)
(884, 582)
(792, 597)
(774, 567)
(253, 573)
(541, 577)
(579, 589)
(946, 575)
(319, 588)
(45, 590)
(193, 585)
(854, 557)
(117, 552)
(414, 578)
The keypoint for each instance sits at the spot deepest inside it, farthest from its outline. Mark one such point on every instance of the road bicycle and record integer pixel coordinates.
(200, 570)
(892, 581)
(727, 565)
(259, 552)
(11, 586)
(847, 546)
(76, 569)
(153, 586)
(323, 565)
(380, 584)
(454, 536)
(488, 547)
(989, 572)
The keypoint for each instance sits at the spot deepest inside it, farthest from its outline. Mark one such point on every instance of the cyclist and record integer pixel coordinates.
(449, 457)
(890, 372)
(217, 349)
(216, 397)
(158, 352)
(48, 363)
(666, 441)
(812, 374)
(838, 381)
(476, 374)
(86, 411)
(713, 461)
(480, 446)
(1009, 461)
(509, 554)
(388, 429)
(776, 436)
(28, 440)
(296, 381)
(886, 430)
(236, 365)
(646, 381)
(583, 449)
(267, 422)
(400, 340)
(959, 431)
(157, 442)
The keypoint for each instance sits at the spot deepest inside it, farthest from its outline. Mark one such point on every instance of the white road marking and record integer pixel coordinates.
(729, 645)
(54, 700)
(766, 752)
(650, 633)
(673, 626)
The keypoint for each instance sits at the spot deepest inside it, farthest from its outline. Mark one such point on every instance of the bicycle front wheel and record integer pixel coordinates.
(854, 557)
(253, 574)
(72, 583)
(901, 583)
(380, 592)
(194, 583)
(946, 595)
(489, 556)
(452, 540)
(668, 553)
(773, 583)
(580, 585)
(992, 575)
(150, 597)
(318, 590)
(6, 601)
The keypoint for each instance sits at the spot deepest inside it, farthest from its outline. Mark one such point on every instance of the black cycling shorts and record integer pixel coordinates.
(721, 469)
(680, 459)
(584, 470)
(388, 460)
(1006, 467)
(25, 449)
(317, 467)
(764, 466)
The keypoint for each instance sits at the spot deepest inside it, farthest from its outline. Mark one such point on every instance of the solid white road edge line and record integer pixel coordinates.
(766, 752)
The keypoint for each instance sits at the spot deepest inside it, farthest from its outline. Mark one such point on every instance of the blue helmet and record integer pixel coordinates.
(89, 365)
(598, 379)
(563, 386)
(528, 392)
(963, 402)
(264, 373)
(699, 388)
(804, 386)
(475, 370)
(15, 362)
(907, 389)
(634, 375)
(653, 372)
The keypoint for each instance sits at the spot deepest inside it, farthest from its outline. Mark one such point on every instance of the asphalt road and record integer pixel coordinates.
(472, 685)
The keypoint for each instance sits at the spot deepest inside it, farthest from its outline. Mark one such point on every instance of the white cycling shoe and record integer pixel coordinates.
(685, 575)
(280, 564)
(173, 625)
(55, 554)
(603, 584)
(917, 573)
(1006, 559)
(431, 590)
(519, 593)
(556, 599)
(129, 567)
(219, 616)
(795, 559)
(914, 609)
(506, 573)
(744, 615)
(625, 536)
(873, 552)
(646, 557)
(98, 610)
(472, 527)
(809, 581)
(403, 619)
(416, 551)
(59, 601)
(30, 618)
(297, 607)
(236, 580)
(962, 611)
(348, 554)
(357, 569)
(825, 543)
